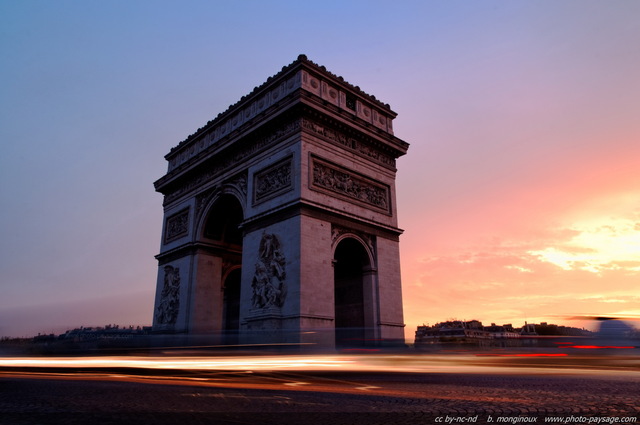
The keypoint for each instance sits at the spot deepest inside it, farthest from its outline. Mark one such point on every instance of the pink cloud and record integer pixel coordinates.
(503, 282)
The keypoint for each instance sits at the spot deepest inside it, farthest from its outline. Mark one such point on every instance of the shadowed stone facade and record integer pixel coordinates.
(280, 218)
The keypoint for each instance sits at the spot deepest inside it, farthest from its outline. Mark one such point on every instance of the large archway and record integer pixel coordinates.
(350, 263)
(223, 236)
(223, 222)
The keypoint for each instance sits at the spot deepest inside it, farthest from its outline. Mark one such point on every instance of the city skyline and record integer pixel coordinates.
(518, 196)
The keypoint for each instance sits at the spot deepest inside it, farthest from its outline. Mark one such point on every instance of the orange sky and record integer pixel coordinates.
(550, 240)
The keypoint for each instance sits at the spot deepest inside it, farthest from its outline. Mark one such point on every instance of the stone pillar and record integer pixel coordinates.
(390, 290)
(206, 295)
(316, 281)
(371, 306)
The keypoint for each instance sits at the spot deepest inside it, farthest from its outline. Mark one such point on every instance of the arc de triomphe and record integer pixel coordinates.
(280, 220)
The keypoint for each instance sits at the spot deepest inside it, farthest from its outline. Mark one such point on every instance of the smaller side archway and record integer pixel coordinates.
(231, 305)
(354, 294)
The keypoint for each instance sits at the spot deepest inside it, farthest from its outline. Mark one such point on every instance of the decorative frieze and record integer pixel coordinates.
(268, 284)
(371, 111)
(177, 226)
(273, 181)
(232, 158)
(199, 143)
(347, 184)
(169, 306)
(358, 145)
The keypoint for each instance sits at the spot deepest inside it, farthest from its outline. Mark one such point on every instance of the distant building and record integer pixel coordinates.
(455, 331)
(550, 329)
(473, 332)
(109, 332)
(502, 332)
(81, 340)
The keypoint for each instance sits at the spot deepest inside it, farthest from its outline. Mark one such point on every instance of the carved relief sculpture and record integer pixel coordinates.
(268, 284)
(177, 226)
(346, 184)
(202, 201)
(240, 183)
(273, 181)
(167, 312)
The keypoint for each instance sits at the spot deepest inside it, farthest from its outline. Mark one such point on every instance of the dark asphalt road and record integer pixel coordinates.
(315, 398)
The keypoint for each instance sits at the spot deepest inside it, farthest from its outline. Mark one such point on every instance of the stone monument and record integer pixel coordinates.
(280, 219)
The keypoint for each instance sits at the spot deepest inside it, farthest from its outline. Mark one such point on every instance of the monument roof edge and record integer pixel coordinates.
(342, 81)
(301, 60)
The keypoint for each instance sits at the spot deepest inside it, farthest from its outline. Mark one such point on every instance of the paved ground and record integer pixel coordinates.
(318, 398)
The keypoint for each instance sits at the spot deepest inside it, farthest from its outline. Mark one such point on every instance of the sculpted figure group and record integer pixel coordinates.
(345, 184)
(167, 312)
(268, 284)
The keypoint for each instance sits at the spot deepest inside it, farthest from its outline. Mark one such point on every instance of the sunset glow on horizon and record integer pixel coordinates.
(519, 196)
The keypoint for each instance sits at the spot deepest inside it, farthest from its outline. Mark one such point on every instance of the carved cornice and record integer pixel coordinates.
(332, 90)
(230, 158)
(245, 109)
(301, 76)
(203, 140)
(352, 142)
(193, 248)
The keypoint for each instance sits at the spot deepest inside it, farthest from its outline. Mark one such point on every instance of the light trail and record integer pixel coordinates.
(257, 363)
(421, 363)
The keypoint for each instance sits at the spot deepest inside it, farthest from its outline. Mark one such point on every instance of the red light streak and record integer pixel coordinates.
(591, 347)
(526, 355)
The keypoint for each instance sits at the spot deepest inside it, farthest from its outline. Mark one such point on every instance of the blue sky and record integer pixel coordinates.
(521, 115)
